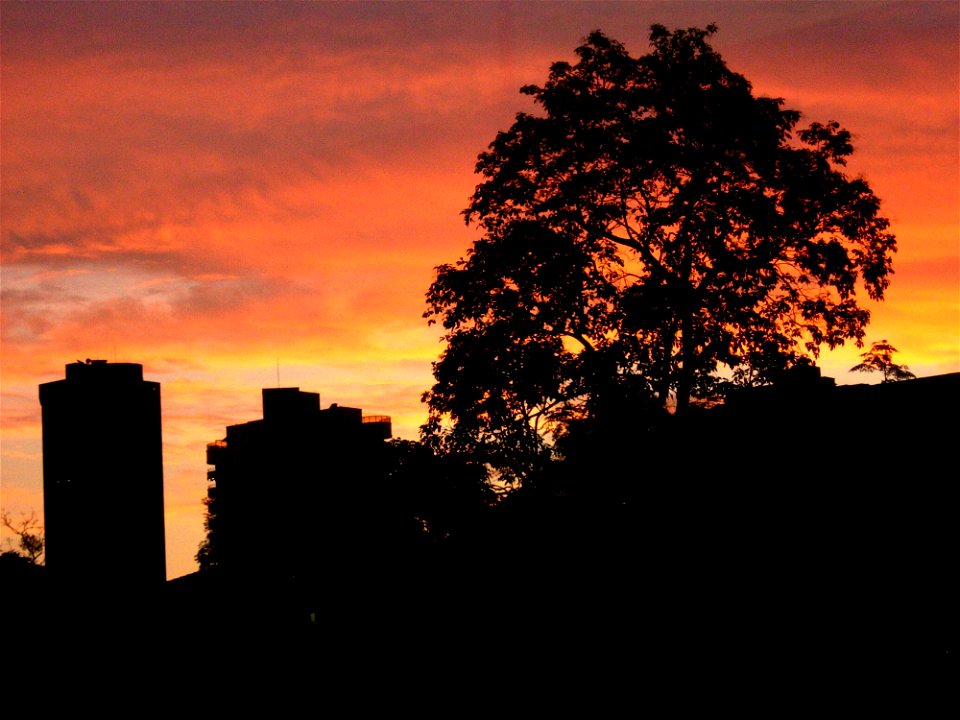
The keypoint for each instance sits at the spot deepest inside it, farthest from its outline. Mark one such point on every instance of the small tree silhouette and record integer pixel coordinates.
(879, 358)
(29, 532)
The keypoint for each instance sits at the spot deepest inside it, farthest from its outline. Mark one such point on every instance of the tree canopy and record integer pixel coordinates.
(653, 226)
(879, 358)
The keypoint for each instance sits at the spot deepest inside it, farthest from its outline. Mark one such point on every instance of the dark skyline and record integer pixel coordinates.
(227, 193)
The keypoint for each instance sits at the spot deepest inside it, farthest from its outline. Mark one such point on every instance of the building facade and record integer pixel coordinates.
(295, 490)
(103, 476)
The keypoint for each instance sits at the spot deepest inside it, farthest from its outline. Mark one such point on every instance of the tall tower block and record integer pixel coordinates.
(103, 476)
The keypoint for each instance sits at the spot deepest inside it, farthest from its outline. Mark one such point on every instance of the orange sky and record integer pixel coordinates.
(210, 188)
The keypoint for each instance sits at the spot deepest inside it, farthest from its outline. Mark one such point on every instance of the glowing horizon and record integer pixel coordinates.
(212, 189)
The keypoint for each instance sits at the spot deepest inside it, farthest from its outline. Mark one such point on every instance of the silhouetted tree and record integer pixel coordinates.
(209, 551)
(439, 498)
(879, 358)
(654, 220)
(29, 532)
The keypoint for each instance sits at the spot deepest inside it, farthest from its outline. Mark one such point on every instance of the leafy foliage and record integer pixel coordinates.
(209, 551)
(654, 221)
(437, 499)
(879, 358)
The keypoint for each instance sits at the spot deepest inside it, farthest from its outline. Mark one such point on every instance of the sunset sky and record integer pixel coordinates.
(219, 190)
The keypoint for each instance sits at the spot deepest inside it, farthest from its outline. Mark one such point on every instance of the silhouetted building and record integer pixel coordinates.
(837, 504)
(103, 476)
(296, 490)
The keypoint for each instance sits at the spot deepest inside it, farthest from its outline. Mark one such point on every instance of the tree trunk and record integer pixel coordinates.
(663, 386)
(685, 379)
